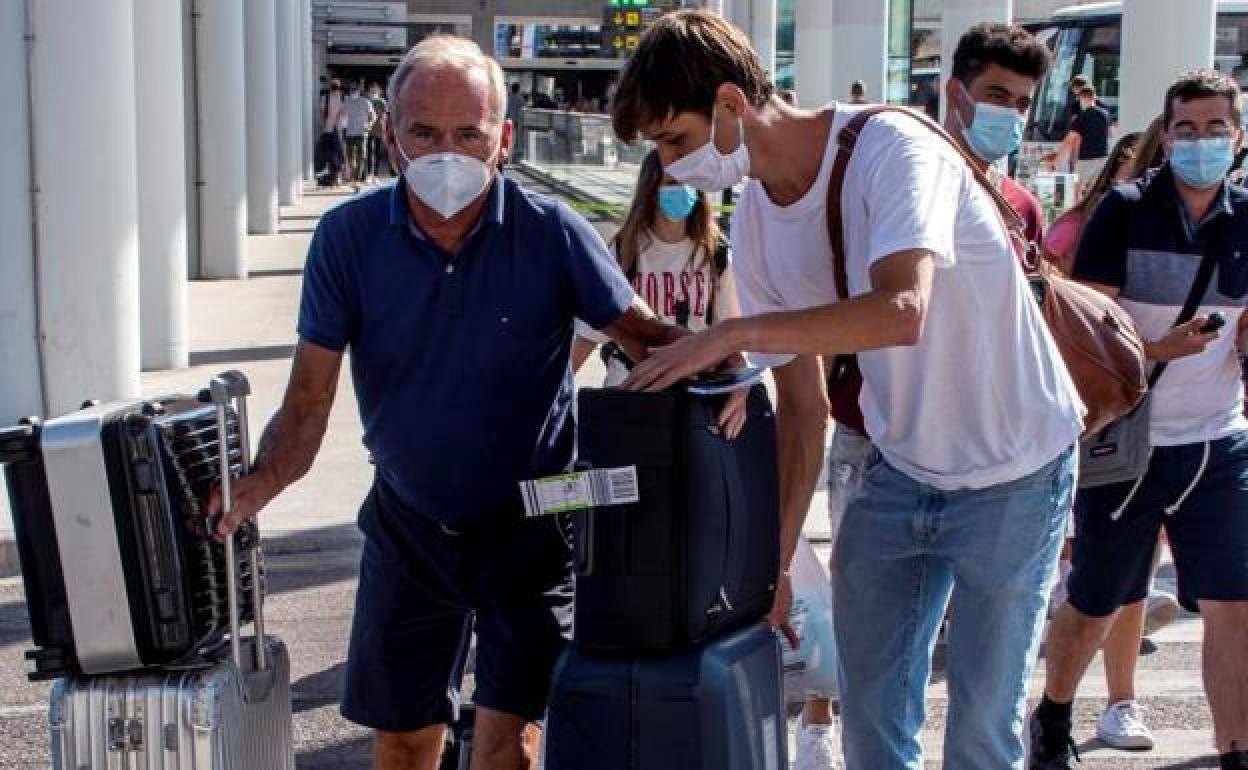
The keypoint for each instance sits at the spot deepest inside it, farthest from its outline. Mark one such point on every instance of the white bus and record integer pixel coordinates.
(1087, 40)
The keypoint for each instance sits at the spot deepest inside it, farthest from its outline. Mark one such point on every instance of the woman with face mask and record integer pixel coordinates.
(676, 257)
(1062, 238)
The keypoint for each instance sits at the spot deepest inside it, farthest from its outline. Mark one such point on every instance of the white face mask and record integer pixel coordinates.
(708, 169)
(446, 181)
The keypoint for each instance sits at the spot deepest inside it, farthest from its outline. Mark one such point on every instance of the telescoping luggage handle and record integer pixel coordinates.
(226, 388)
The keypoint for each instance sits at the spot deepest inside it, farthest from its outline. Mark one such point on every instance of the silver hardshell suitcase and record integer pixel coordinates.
(231, 713)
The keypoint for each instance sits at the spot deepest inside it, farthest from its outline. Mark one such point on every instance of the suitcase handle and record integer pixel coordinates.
(225, 389)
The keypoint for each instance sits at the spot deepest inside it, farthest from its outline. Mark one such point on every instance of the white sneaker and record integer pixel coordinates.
(815, 750)
(1161, 609)
(1122, 728)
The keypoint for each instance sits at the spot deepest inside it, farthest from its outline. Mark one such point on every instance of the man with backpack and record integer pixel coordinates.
(967, 402)
(1172, 248)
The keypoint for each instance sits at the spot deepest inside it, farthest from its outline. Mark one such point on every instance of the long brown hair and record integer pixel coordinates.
(635, 234)
(1152, 151)
(1124, 154)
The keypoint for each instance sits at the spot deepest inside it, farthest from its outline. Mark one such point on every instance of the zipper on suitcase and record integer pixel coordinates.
(680, 532)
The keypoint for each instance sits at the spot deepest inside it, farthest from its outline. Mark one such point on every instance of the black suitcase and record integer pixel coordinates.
(713, 707)
(119, 569)
(698, 554)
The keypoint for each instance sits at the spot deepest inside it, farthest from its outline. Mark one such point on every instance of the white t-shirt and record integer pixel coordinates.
(668, 275)
(984, 397)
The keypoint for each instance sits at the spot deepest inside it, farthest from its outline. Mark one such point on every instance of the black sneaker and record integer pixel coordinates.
(1235, 759)
(1051, 745)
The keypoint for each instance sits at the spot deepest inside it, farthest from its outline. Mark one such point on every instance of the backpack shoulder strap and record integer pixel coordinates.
(720, 258)
(847, 139)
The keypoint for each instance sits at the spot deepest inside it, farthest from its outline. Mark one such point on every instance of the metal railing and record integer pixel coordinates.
(561, 138)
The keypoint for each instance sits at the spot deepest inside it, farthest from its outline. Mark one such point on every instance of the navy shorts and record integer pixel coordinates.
(1199, 493)
(423, 591)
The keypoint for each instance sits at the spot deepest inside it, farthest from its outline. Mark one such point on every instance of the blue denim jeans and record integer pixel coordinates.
(904, 549)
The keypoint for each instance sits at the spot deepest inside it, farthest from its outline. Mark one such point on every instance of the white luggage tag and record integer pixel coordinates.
(577, 491)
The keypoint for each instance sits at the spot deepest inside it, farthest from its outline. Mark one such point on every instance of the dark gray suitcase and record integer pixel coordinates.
(118, 571)
(232, 712)
(713, 707)
(697, 555)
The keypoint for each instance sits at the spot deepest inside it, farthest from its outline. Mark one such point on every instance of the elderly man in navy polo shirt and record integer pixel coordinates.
(455, 291)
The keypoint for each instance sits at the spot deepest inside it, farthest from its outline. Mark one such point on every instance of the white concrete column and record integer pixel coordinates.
(222, 137)
(762, 31)
(312, 92)
(1160, 39)
(812, 59)
(715, 6)
(161, 138)
(291, 88)
(260, 57)
(859, 47)
(190, 99)
(957, 17)
(86, 235)
(20, 373)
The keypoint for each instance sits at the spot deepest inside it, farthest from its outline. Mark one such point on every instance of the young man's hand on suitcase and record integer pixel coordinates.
(643, 337)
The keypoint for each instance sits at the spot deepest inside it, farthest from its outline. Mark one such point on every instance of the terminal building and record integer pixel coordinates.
(145, 138)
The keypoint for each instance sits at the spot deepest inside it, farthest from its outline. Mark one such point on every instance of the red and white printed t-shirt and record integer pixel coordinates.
(667, 276)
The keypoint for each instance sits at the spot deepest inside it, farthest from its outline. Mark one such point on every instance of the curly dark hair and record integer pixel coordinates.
(1202, 84)
(1007, 45)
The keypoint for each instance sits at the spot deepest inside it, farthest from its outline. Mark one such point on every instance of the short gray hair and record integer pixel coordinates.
(448, 51)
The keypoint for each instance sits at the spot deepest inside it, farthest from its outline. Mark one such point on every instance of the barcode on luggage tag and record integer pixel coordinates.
(577, 491)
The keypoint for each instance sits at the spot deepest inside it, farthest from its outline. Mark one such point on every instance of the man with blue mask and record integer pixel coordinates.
(988, 98)
(971, 413)
(1176, 238)
(454, 291)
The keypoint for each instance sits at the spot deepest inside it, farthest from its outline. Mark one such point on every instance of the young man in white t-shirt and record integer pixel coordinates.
(966, 399)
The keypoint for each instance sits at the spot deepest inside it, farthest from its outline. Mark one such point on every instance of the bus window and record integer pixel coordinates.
(1231, 46)
(1051, 114)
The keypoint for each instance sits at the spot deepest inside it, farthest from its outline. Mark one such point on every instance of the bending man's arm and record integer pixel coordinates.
(891, 314)
(290, 440)
(801, 433)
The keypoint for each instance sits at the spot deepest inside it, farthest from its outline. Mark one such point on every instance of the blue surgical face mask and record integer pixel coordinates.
(994, 131)
(676, 201)
(1202, 163)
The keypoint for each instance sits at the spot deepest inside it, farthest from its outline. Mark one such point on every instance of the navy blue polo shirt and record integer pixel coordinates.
(460, 362)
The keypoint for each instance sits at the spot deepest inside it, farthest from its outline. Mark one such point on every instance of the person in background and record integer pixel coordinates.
(1121, 726)
(331, 138)
(858, 92)
(377, 134)
(989, 96)
(676, 258)
(1063, 235)
(515, 107)
(1143, 246)
(360, 117)
(1151, 152)
(1087, 142)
